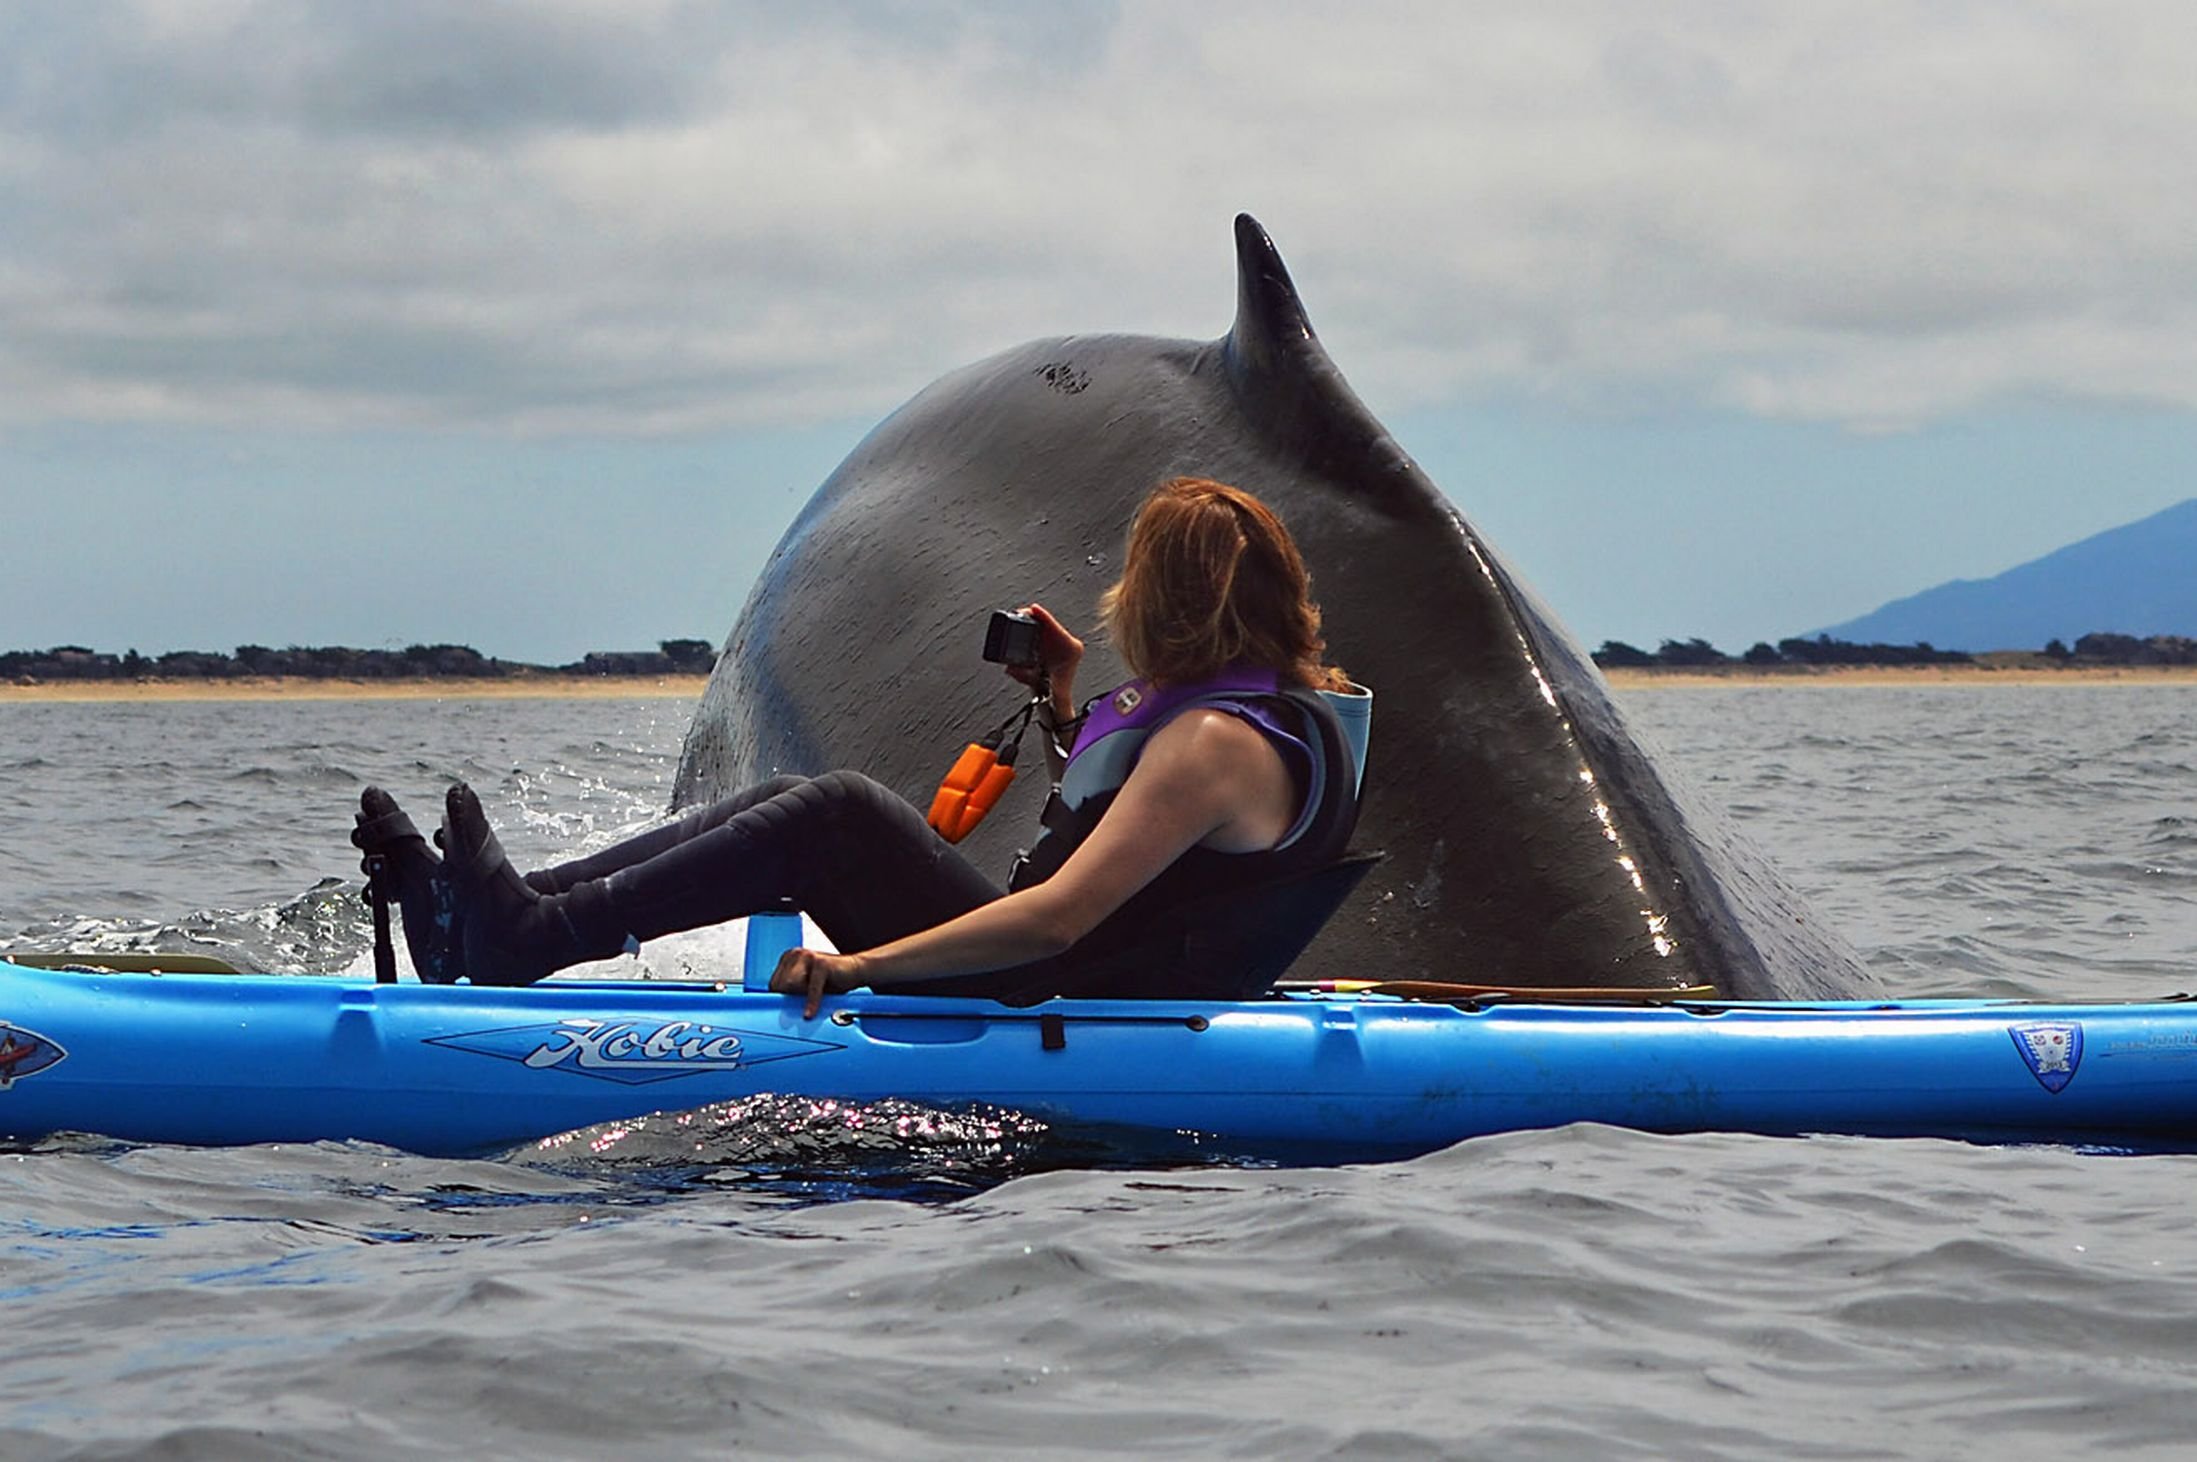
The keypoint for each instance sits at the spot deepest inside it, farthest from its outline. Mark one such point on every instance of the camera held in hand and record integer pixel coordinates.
(1011, 638)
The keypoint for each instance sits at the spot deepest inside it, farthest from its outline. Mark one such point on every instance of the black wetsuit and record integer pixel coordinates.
(863, 863)
(843, 847)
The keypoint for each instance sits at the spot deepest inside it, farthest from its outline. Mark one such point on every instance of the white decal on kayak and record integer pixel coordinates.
(26, 1053)
(631, 1051)
(619, 1045)
(2051, 1051)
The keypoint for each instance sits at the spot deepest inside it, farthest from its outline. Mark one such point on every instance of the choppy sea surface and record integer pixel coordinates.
(897, 1282)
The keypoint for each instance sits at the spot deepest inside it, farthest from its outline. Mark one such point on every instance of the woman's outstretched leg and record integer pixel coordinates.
(433, 934)
(859, 859)
(643, 846)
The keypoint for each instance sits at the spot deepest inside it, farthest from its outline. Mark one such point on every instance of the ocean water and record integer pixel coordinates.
(792, 1278)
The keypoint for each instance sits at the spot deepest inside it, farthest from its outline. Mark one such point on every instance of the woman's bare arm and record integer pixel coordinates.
(1207, 776)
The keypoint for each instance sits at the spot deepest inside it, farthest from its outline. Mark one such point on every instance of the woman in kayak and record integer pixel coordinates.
(1218, 767)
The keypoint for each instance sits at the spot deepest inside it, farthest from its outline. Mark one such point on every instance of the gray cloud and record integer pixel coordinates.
(646, 217)
(107, 74)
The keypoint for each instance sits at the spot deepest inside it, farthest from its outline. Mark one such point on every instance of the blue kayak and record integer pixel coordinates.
(452, 1069)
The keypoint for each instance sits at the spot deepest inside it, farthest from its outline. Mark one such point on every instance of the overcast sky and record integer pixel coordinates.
(531, 326)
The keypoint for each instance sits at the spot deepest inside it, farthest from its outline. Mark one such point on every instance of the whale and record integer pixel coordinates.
(1530, 838)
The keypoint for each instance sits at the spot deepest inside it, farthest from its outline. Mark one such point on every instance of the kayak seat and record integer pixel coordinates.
(1225, 946)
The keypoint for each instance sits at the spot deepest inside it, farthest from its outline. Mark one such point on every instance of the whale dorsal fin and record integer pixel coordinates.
(1286, 383)
(1270, 319)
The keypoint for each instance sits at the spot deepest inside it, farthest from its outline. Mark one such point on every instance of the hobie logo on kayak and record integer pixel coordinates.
(632, 1051)
(2051, 1051)
(26, 1053)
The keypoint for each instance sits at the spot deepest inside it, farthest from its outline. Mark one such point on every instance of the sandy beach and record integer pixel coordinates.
(690, 687)
(264, 688)
(1833, 677)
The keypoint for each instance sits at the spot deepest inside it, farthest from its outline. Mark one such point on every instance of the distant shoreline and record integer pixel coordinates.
(1832, 677)
(313, 688)
(690, 687)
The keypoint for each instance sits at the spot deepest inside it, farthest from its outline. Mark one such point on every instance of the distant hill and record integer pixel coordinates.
(2139, 579)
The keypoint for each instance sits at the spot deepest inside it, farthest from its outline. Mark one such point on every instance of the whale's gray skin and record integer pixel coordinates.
(1530, 840)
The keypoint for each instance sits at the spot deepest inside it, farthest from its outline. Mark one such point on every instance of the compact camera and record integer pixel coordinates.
(1011, 638)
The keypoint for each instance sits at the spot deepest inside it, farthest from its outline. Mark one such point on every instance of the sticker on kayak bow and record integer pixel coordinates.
(25, 1053)
(633, 1052)
(2052, 1051)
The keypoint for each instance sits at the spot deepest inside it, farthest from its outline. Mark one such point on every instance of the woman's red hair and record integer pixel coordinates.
(1211, 578)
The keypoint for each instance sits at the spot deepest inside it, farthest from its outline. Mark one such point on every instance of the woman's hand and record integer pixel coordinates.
(814, 974)
(1058, 654)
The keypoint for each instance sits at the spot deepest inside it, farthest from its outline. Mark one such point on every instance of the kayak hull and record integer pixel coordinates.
(231, 1059)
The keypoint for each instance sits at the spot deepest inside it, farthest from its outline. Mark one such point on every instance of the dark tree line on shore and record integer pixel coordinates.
(2091, 649)
(340, 662)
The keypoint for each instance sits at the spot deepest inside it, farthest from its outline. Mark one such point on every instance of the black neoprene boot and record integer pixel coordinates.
(424, 895)
(512, 933)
